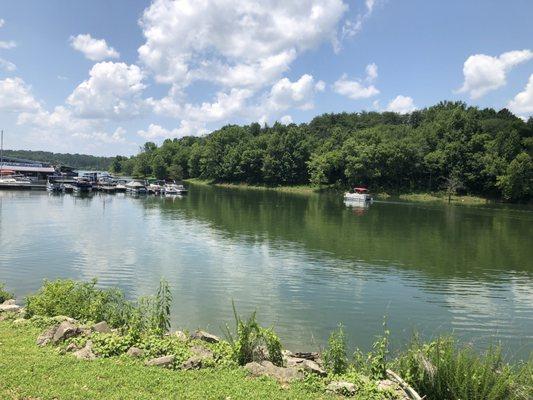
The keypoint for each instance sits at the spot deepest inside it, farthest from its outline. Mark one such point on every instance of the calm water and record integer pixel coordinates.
(305, 263)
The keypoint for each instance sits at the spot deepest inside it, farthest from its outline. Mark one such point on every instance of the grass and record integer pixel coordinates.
(31, 372)
(298, 189)
(434, 197)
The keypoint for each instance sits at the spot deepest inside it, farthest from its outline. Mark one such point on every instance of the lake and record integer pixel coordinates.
(304, 262)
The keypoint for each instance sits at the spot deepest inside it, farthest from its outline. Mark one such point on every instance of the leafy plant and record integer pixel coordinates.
(4, 294)
(161, 314)
(375, 362)
(443, 370)
(250, 339)
(79, 300)
(335, 356)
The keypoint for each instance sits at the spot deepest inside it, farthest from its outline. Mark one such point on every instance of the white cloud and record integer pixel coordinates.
(355, 89)
(299, 94)
(522, 103)
(93, 49)
(118, 136)
(7, 45)
(112, 91)
(352, 28)
(286, 120)
(7, 65)
(483, 73)
(2, 22)
(186, 128)
(401, 104)
(248, 43)
(16, 96)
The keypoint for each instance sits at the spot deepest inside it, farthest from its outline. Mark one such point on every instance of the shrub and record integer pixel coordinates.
(4, 295)
(443, 370)
(250, 338)
(79, 300)
(374, 363)
(335, 358)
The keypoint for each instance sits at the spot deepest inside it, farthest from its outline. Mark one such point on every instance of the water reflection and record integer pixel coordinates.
(305, 263)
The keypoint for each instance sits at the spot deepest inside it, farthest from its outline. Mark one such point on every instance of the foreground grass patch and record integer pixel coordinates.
(32, 372)
(299, 189)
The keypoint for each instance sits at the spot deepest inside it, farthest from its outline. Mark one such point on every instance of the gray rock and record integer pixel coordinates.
(313, 367)
(135, 352)
(342, 388)
(86, 353)
(47, 336)
(193, 363)
(202, 352)
(281, 374)
(101, 327)
(307, 355)
(182, 336)
(205, 336)
(391, 386)
(260, 353)
(71, 347)
(164, 362)
(64, 331)
(10, 302)
(10, 308)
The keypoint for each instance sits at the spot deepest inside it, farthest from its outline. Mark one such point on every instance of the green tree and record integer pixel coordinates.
(517, 183)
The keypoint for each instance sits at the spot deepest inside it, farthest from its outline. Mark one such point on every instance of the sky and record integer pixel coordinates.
(103, 77)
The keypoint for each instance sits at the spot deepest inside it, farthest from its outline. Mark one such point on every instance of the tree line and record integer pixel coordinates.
(76, 161)
(449, 146)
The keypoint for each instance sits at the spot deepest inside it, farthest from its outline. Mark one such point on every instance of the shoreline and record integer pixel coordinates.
(416, 197)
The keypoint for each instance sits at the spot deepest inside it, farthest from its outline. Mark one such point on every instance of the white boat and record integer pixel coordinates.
(135, 187)
(359, 194)
(172, 188)
(157, 187)
(54, 186)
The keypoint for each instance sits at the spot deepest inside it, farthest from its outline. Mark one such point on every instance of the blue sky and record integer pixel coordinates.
(103, 77)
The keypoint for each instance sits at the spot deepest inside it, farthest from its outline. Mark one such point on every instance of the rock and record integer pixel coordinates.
(313, 367)
(10, 302)
(135, 352)
(281, 374)
(71, 347)
(10, 308)
(391, 386)
(86, 353)
(307, 355)
(342, 388)
(182, 336)
(205, 336)
(47, 336)
(193, 363)
(64, 331)
(164, 362)
(201, 352)
(101, 327)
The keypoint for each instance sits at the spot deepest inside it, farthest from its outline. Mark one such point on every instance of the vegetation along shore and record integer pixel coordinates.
(449, 148)
(72, 339)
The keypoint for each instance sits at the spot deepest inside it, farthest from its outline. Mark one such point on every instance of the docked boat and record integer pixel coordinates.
(359, 194)
(174, 189)
(157, 187)
(53, 186)
(82, 185)
(136, 187)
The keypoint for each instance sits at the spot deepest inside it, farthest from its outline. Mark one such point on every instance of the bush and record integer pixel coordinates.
(442, 370)
(335, 358)
(250, 339)
(79, 300)
(374, 363)
(4, 295)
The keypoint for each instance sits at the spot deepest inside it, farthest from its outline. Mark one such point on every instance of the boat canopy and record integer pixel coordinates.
(360, 189)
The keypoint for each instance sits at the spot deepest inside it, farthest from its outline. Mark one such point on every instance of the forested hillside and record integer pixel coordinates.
(78, 161)
(450, 145)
